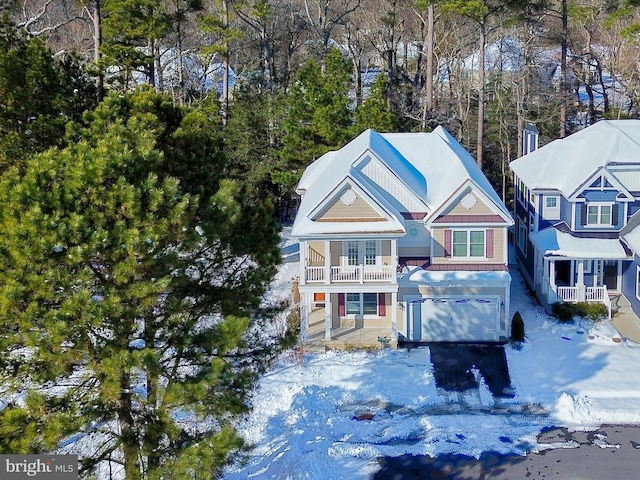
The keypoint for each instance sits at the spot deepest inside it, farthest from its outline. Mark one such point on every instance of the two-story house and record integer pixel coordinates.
(402, 234)
(575, 199)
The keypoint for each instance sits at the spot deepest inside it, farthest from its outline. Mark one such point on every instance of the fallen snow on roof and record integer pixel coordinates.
(565, 163)
(420, 276)
(431, 165)
(552, 242)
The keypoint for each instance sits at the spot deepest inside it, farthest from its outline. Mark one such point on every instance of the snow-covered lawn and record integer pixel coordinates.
(309, 412)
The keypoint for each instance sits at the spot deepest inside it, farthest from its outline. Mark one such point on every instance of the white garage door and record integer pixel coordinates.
(446, 319)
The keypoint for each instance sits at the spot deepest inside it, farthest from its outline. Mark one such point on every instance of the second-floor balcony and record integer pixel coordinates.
(350, 274)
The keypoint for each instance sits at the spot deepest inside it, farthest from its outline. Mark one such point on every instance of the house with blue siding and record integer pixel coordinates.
(577, 220)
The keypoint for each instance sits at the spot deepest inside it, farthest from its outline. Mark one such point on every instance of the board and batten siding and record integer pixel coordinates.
(499, 253)
(381, 176)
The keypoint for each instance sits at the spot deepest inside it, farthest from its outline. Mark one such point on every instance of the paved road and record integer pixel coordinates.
(610, 453)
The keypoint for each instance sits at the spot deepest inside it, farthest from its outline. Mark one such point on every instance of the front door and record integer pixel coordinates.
(610, 275)
(563, 272)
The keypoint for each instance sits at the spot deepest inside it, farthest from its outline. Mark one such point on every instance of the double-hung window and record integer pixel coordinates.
(468, 243)
(599, 214)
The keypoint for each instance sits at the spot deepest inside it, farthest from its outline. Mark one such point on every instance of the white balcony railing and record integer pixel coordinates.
(351, 274)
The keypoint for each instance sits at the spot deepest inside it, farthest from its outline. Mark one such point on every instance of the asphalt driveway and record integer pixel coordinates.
(455, 364)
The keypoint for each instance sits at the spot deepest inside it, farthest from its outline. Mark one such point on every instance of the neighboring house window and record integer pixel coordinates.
(523, 193)
(362, 304)
(599, 214)
(551, 208)
(522, 235)
(586, 266)
(532, 223)
(468, 243)
(638, 282)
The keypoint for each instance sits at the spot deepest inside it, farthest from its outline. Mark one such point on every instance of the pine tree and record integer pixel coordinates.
(374, 111)
(318, 117)
(130, 298)
(38, 95)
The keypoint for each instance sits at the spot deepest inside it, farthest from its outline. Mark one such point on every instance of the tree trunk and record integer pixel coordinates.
(481, 91)
(128, 436)
(563, 68)
(225, 65)
(428, 97)
(97, 43)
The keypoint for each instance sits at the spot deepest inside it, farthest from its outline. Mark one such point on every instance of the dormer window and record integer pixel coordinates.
(551, 207)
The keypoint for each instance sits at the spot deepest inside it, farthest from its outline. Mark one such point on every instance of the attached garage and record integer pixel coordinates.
(454, 318)
(456, 306)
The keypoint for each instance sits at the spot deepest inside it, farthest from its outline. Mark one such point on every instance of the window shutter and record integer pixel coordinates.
(583, 214)
(382, 308)
(489, 240)
(614, 215)
(341, 307)
(447, 243)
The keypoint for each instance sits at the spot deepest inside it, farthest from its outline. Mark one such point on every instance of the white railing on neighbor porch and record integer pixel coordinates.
(585, 294)
(351, 273)
(574, 294)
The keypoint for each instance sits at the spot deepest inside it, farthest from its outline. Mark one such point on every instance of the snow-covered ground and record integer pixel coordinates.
(311, 417)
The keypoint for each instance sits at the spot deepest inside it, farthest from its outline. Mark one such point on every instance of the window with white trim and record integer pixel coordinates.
(551, 207)
(370, 252)
(362, 304)
(363, 252)
(599, 214)
(522, 235)
(468, 243)
(523, 193)
(638, 282)
(352, 253)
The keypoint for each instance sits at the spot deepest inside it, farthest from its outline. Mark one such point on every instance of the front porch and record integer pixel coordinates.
(356, 336)
(578, 280)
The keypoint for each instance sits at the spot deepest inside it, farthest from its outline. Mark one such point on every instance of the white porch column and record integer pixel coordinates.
(304, 315)
(304, 252)
(327, 262)
(394, 261)
(394, 317)
(582, 291)
(327, 316)
(507, 306)
(552, 275)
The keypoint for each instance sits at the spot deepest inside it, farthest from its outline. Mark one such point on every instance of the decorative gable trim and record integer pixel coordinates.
(469, 219)
(602, 179)
(349, 184)
(460, 196)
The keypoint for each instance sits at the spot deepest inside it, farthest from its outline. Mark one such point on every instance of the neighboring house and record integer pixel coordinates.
(401, 233)
(576, 203)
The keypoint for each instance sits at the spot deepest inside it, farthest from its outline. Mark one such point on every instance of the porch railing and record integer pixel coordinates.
(350, 274)
(574, 294)
(585, 294)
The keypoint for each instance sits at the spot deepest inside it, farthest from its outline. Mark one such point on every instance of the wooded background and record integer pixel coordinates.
(479, 68)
